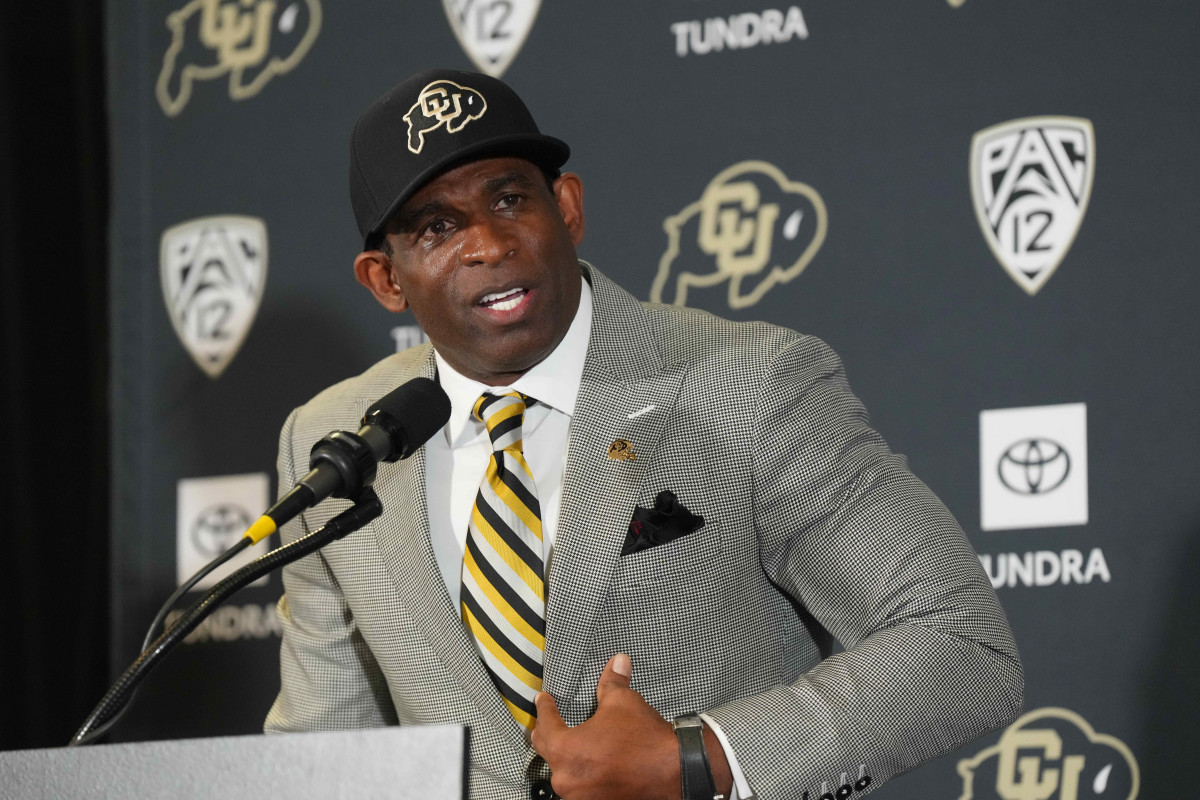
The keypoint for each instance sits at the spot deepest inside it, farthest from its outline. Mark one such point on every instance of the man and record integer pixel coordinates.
(635, 513)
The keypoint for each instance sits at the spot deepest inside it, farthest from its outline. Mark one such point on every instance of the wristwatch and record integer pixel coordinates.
(695, 771)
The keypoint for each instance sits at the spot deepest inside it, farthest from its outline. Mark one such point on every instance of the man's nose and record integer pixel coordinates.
(487, 241)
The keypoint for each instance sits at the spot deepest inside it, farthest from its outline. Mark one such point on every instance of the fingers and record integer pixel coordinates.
(616, 675)
(549, 723)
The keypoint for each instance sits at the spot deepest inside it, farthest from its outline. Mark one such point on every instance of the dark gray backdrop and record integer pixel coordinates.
(875, 110)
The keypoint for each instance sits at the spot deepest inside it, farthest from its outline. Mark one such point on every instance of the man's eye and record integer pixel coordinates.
(508, 201)
(437, 227)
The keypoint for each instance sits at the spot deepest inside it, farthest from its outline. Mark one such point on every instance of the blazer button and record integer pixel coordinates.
(541, 791)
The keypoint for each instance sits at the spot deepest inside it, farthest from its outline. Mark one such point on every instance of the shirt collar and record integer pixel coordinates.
(554, 381)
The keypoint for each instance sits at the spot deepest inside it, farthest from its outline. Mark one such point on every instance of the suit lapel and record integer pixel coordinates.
(626, 392)
(408, 553)
(624, 374)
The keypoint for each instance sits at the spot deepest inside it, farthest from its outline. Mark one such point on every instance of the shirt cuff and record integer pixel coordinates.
(741, 789)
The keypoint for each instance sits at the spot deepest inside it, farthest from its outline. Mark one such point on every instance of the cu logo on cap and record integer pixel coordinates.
(442, 103)
(1034, 466)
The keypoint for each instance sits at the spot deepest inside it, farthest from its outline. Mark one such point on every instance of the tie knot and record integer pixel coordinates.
(503, 414)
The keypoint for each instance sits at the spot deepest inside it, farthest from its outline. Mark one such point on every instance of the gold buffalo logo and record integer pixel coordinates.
(251, 41)
(754, 225)
(621, 450)
(442, 103)
(1051, 754)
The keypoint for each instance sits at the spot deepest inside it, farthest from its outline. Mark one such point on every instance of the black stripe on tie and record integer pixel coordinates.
(505, 591)
(504, 426)
(513, 697)
(500, 638)
(485, 402)
(514, 483)
(514, 542)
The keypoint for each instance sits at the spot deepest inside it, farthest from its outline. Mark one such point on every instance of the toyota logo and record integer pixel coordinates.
(1034, 466)
(218, 528)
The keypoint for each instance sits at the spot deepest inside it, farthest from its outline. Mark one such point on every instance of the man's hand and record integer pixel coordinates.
(625, 750)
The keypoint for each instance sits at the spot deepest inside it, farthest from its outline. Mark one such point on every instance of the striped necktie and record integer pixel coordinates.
(503, 593)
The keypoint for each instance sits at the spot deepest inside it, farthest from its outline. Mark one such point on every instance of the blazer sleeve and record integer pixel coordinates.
(845, 529)
(329, 680)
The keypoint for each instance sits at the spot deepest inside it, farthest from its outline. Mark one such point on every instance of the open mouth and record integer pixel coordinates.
(504, 301)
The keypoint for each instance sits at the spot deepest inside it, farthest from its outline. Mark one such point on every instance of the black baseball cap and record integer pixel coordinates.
(434, 120)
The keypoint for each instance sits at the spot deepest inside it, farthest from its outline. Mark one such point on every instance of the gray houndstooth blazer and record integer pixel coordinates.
(814, 530)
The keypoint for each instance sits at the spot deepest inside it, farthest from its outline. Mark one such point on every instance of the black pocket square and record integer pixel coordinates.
(666, 522)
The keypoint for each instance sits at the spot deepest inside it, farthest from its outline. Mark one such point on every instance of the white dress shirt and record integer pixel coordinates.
(456, 459)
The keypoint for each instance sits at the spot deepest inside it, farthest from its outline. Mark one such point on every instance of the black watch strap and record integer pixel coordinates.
(698, 782)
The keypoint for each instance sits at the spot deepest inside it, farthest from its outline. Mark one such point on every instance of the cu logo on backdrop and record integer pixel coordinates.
(251, 41)
(752, 225)
(1051, 754)
(1034, 466)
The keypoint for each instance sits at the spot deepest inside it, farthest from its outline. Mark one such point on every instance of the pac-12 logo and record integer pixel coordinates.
(213, 272)
(442, 103)
(251, 41)
(1030, 181)
(753, 225)
(1051, 754)
(491, 32)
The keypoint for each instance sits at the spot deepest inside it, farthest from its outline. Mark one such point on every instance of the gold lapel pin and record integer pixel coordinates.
(621, 450)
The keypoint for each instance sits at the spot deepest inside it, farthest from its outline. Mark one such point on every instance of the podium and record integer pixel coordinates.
(395, 762)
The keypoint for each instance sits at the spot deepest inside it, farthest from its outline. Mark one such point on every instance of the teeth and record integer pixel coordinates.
(499, 295)
(505, 305)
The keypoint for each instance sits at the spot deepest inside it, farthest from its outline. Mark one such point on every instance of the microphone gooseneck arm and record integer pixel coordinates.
(343, 464)
(366, 508)
(157, 622)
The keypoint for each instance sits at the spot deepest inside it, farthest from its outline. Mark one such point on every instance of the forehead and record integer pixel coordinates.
(474, 178)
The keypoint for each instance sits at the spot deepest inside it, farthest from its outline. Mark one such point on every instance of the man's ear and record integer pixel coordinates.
(374, 270)
(568, 190)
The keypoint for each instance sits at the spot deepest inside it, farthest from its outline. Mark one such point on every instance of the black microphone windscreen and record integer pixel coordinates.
(418, 409)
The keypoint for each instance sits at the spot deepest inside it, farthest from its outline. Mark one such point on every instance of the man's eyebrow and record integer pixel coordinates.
(500, 182)
(408, 222)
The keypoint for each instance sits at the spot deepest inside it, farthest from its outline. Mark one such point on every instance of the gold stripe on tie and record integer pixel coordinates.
(503, 588)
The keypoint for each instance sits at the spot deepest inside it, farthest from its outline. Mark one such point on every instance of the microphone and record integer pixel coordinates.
(343, 463)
